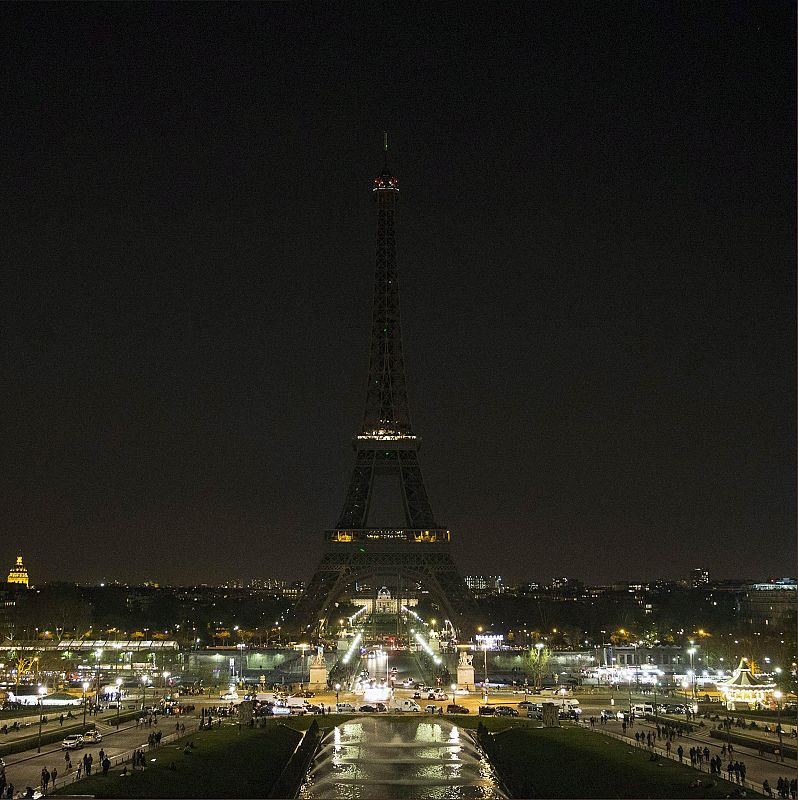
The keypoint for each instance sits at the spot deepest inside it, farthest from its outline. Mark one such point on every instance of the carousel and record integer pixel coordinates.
(745, 687)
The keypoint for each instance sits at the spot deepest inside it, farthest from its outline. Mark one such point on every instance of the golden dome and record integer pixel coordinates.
(18, 573)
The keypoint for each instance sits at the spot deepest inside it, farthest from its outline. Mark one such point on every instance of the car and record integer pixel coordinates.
(381, 708)
(367, 709)
(567, 713)
(72, 742)
(417, 695)
(505, 711)
(454, 708)
(92, 736)
(431, 709)
(311, 709)
(527, 704)
(487, 711)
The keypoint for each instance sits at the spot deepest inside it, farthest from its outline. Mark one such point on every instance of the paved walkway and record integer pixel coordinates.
(758, 768)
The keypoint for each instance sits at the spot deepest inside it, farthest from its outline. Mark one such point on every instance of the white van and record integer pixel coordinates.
(344, 708)
(407, 705)
(641, 709)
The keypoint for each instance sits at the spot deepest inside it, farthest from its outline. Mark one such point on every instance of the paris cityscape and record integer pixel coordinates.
(262, 253)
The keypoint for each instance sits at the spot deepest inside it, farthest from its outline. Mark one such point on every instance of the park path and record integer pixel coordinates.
(758, 767)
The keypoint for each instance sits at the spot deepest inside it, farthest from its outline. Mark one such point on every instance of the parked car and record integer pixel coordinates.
(417, 695)
(527, 704)
(431, 709)
(344, 708)
(92, 736)
(487, 711)
(567, 713)
(367, 709)
(454, 708)
(505, 711)
(73, 742)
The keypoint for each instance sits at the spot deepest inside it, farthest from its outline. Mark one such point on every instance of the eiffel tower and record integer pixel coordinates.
(412, 549)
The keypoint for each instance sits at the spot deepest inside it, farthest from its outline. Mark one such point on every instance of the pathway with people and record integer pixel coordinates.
(708, 752)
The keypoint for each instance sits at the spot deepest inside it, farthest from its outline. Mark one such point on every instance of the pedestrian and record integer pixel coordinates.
(61, 720)
(766, 788)
(706, 753)
(45, 779)
(182, 728)
(79, 770)
(53, 776)
(668, 746)
(729, 770)
(680, 752)
(637, 737)
(102, 754)
(793, 788)
(106, 765)
(742, 772)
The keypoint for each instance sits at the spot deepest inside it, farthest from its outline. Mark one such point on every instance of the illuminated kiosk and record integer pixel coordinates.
(745, 687)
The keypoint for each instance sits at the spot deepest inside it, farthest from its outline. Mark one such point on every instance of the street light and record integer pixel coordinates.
(118, 700)
(485, 681)
(691, 653)
(42, 693)
(97, 653)
(144, 681)
(538, 669)
(777, 695)
(85, 686)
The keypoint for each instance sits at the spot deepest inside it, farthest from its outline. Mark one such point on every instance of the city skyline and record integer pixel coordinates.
(598, 287)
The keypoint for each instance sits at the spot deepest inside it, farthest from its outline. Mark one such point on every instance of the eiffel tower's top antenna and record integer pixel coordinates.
(385, 148)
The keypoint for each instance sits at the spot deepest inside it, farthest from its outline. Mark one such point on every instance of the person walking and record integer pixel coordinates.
(53, 776)
(680, 752)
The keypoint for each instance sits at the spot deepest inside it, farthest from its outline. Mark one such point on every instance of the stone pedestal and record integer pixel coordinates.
(318, 677)
(465, 677)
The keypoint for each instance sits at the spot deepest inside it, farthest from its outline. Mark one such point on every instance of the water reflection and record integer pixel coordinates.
(384, 757)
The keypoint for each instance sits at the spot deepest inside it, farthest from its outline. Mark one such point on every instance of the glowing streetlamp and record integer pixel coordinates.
(691, 653)
(42, 692)
(85, 686)
(777, 695)
(118, 700)
(144, 681)
(97, 654)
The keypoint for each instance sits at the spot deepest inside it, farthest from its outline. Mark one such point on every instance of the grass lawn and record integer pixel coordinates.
(573, 762)
(223, 763)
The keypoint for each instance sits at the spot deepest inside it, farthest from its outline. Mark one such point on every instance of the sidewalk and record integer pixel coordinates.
(758, 768)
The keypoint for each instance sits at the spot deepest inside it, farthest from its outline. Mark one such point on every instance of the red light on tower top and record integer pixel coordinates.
(385, 181)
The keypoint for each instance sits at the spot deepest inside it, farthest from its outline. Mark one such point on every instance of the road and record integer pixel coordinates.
(24, 769)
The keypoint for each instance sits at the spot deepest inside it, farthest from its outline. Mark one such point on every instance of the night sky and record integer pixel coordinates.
(597, 259)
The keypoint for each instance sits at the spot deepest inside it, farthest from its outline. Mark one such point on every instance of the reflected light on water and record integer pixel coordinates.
(383, 757)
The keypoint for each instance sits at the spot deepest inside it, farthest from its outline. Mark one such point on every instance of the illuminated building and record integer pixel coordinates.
(19, 573)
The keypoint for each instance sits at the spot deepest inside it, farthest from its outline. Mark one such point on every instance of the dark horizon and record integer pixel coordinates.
(596, 246)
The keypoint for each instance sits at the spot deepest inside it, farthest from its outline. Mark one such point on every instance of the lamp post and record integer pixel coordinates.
(118, 700)
(97, 653)
(42, 692)
(144, 681)
(85, 686)
(691, 653)
(777, 695)
(485, 679)
(538, 669)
